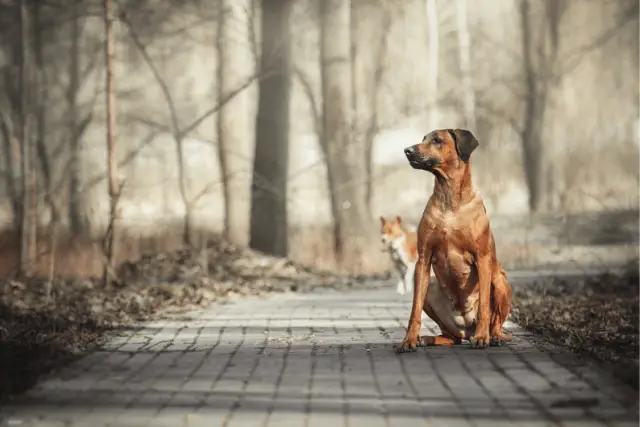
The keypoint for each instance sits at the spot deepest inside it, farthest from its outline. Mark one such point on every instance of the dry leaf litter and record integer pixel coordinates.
(596, 316)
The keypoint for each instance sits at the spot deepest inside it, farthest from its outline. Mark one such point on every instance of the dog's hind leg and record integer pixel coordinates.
(500, 308)
(444, 339)
(437, 341)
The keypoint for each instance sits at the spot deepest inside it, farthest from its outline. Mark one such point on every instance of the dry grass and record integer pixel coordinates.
(314, 247)
(591, 237)
(82, 256)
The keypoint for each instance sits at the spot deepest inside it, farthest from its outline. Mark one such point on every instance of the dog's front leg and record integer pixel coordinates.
(421, 280)
(481, 338)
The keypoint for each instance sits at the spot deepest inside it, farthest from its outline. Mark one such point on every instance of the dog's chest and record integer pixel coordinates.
(456, 274)
(447, 224)
(452, 264)
(466, 220)
(398, 250)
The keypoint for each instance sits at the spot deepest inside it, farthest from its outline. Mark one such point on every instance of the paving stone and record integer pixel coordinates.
(316, 359)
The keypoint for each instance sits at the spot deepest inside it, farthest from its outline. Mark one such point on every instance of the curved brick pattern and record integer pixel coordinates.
(318, 359)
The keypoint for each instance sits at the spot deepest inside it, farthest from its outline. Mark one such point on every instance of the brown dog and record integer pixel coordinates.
(472, 298)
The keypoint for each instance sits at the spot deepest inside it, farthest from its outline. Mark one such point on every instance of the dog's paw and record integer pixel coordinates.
(480, 340)
(496, 342)
(500, 339)
(400, 288)
(408, 345)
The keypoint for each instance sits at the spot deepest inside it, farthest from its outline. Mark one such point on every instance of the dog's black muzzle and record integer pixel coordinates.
(417, 160)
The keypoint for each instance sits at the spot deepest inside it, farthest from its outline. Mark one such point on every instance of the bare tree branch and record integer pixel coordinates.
(308, 91)
(574, 58)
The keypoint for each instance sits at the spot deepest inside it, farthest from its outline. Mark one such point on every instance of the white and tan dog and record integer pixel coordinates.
(402, 246)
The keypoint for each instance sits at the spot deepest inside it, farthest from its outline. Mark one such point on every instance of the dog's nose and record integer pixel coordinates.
(409, 151)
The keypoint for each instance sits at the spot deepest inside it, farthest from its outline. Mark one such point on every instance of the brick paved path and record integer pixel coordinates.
(318, 359)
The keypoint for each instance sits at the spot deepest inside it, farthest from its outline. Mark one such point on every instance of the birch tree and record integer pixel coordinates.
(111, 238)
(42, 128)
(235, 66)
(344, 155)
(28, 211)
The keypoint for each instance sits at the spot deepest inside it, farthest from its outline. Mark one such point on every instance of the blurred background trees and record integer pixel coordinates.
(280, 124)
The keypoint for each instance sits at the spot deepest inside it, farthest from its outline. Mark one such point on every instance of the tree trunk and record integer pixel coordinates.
(183, 187)
(235, 66)
(539, 82)
(345, 157)
(464, 49)
(77, 221)
(434, 55)
(28, 209)
(11, 151)
(111, 239)
(371, 21)
(534, 153)
(42, 100)
(271, 159)
(41, 143)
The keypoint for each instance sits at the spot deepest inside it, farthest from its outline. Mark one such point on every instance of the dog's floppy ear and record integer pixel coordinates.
(465, 143)
(398, 219)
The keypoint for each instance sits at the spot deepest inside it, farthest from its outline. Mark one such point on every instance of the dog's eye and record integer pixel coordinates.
(437, 141)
